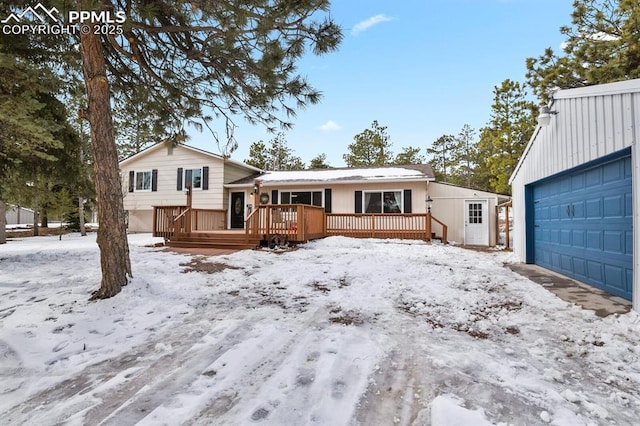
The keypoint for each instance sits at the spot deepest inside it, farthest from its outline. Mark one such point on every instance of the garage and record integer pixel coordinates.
(582, 223)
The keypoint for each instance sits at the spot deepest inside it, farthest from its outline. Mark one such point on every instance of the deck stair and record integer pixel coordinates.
(237, 241)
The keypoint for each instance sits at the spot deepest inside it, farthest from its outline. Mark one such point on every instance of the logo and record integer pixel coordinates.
(33, 11)
(41, 20)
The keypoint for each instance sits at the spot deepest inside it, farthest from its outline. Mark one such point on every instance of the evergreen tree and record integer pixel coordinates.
(602, 46)
(503, 140)
(372, 147)
(465, 156)
(276, 156)
(409, 155)
(232, 58)
(441, 156)
(319, 162)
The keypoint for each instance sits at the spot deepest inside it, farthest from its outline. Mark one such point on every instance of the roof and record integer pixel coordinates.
(201, 151)
(411, 172)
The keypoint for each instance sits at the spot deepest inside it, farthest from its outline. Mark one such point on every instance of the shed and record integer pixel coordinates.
(575, 190)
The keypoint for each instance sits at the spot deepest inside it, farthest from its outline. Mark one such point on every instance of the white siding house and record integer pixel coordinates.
(158, 176)
(576, 189)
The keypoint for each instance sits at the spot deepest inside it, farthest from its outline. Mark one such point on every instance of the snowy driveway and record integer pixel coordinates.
(338, 332)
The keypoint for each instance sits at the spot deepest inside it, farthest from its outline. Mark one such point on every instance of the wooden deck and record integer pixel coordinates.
(183, 226)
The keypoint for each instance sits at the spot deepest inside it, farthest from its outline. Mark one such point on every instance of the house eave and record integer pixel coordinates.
(327, 182)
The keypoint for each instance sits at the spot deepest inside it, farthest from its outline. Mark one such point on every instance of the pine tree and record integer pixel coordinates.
(232, 59)
(602, 46)
(465, 156)
(440, 153)
(409, 155)
(276, 156)
(503, 140)
(319, 162)
(372, 147)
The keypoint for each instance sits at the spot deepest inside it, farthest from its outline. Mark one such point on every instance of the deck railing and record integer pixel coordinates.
(299, 222)
(296, 222)
(378, 225)
(174, 220)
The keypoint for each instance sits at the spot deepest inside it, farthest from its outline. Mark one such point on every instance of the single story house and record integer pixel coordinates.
(226, 192)
(576, 189)
(16, 215)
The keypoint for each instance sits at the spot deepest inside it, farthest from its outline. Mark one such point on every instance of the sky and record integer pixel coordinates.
(337, 332)
(422, 68)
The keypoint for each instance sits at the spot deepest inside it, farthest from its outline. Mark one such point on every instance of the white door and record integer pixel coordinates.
(476, 223)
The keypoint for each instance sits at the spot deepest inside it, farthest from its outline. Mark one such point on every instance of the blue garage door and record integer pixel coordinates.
(583, 225)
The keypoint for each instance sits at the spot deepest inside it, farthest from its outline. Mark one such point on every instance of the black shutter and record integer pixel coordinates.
(132, 178)
(179, 186)
(188, 178)
(407, 201)
(274, 196)
(358, 202)
(205, 178)
(154, 180)
(327, 200)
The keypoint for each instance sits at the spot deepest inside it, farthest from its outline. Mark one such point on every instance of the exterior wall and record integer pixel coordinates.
(591, 123)
(448, 201)
(449, 207)
(18, 215)
(139, 205)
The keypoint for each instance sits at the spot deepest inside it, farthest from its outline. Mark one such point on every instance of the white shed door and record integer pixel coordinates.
(476, 223)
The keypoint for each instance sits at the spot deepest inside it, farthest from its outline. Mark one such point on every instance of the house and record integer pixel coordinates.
(470, 215)
(228, 196)
(159, 175)
(17, 215)
(576, 188)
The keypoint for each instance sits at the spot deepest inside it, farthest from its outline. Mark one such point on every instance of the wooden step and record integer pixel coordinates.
(210, 240)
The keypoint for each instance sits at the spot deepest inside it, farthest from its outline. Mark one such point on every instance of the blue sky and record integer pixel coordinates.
(423, 68)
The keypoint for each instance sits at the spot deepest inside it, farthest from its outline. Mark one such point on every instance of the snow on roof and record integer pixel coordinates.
(412, 172)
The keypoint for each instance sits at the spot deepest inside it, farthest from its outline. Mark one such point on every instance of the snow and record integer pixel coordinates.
(374, 173)
(338, 332)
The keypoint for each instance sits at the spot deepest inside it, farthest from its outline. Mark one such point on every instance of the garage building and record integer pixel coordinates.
(576, 189)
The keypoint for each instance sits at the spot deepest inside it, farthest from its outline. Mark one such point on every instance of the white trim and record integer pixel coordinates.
(135, 181)
(626, 86)
(326, 183)
(381, 192)
(635, 287)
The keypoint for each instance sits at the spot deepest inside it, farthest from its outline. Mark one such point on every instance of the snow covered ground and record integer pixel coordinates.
(338, 332)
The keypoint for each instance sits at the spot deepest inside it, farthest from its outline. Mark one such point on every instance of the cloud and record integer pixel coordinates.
(330, 126)
(369, 22)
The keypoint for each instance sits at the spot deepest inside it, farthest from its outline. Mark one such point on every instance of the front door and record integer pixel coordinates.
(237, 210)
(476, 223)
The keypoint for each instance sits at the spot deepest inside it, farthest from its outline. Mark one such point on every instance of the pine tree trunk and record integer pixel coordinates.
(36, 218)
(83, 231)
(3, 222)
(112, 233)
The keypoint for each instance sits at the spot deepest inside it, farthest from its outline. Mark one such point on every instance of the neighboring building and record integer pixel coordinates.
(470, 215)
(17, 215)
(575, 189)
(158, 176)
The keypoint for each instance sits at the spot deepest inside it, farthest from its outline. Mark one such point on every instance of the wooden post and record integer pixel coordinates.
(428, 226)
(187, 218)
(506, 221)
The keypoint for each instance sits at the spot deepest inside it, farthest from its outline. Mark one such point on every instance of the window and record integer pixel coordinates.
(475, 213)
(143, 181)
(310, 198)
(193, 176)
(383, 202)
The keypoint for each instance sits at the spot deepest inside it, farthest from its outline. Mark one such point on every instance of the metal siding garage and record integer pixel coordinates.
(582, 224)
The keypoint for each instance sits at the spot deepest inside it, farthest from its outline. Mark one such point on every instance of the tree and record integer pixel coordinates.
(372, 147)
(232, 58)
(602, 46)
(319, 162)
(441, 156)
(277, 156)
(409, 155)
(465, 149)
(503, 140)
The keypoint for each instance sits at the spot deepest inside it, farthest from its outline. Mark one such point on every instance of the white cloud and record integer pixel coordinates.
(370, 22)
(330, 126)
